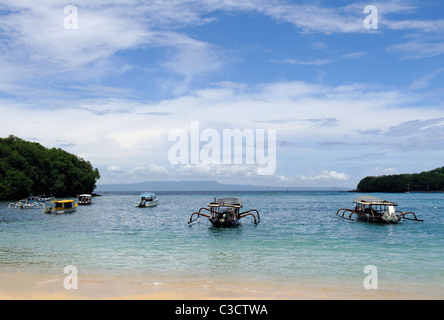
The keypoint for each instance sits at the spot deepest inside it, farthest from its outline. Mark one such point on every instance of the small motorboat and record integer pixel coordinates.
(225, 212)
(85, 200)
(147, 199)
(62, 206)
(372, 209)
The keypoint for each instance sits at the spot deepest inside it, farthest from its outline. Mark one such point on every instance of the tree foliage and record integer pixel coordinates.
(29, 168)
(425, 181)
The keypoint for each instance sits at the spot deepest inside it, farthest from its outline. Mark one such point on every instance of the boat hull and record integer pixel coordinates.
(51, 210)
(147, 204)
(380, 219)
(223, 224)
(64, 211)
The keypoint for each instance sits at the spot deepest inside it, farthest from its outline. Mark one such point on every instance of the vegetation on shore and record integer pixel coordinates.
(29, 168)
(426, 181)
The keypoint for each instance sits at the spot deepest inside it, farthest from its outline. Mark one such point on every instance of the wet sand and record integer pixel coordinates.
(20, 286)
(49, 287)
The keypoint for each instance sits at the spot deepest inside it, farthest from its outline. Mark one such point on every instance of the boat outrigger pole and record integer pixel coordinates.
(402, 215)
(248, 213)
(198, 213)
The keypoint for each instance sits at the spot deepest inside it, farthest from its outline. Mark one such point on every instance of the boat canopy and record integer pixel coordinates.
(65, 204)
(370, 200)
(227, 202)
(147, 195)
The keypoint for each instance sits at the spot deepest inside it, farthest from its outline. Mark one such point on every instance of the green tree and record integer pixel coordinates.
(27, 167)
(425, 181)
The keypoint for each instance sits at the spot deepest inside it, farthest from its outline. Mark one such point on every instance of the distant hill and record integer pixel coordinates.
(180, 186)
(194, 186)
(427, 181)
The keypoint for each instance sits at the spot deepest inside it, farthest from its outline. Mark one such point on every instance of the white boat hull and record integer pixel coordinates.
(147, 204)
(50, 210)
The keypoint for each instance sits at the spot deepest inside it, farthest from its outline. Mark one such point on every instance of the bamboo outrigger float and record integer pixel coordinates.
(372, 209)
(225, 212)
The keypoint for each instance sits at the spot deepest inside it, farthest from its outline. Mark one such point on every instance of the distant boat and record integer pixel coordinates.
(225, 212)
(85, 199)
(147, 199)
(62, 206)
(372, 209)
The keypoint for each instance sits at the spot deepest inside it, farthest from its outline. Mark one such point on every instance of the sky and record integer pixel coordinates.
(349, 92)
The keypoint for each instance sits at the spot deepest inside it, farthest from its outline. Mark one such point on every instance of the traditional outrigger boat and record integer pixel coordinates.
(85, 199)
(147, 199)
(32, 202)
(225, 212)
(372, 209)
(62, 206)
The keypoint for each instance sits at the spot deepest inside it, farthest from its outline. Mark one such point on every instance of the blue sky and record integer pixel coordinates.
(345, 101)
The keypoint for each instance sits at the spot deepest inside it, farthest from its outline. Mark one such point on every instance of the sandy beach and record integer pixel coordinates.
(20, 286)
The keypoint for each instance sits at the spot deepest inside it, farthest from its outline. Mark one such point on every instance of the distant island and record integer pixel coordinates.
(177, 186)
(427, 181)
(195, 186)
(29, 168)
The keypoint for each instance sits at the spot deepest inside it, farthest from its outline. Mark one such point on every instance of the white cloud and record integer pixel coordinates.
(425, 81)
(35, 45)
(119, 135)
(353, 55)
(328, 175)
(188, 57)
(55, 67)
(115, 169)
(312, 18)
(418, 48)
(317, 62)
(35, 42)
(434, 26)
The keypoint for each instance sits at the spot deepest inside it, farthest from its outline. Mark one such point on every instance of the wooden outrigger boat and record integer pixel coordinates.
(33, 202)
(372, 209)
(61, 206)
(225, 212)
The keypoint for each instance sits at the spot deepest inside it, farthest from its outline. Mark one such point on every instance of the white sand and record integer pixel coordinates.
(20, 286)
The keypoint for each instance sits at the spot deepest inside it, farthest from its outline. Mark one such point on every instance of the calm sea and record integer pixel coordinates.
(299, 242)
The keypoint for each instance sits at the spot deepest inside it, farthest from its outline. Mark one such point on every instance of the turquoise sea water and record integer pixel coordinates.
(299, 242)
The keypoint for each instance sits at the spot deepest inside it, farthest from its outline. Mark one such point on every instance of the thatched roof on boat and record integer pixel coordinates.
(370, 200)
(227, 202)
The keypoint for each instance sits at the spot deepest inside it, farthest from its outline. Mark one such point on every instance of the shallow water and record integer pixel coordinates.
(299, 242)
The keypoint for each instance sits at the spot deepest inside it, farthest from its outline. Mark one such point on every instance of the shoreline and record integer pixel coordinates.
(25, 286)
